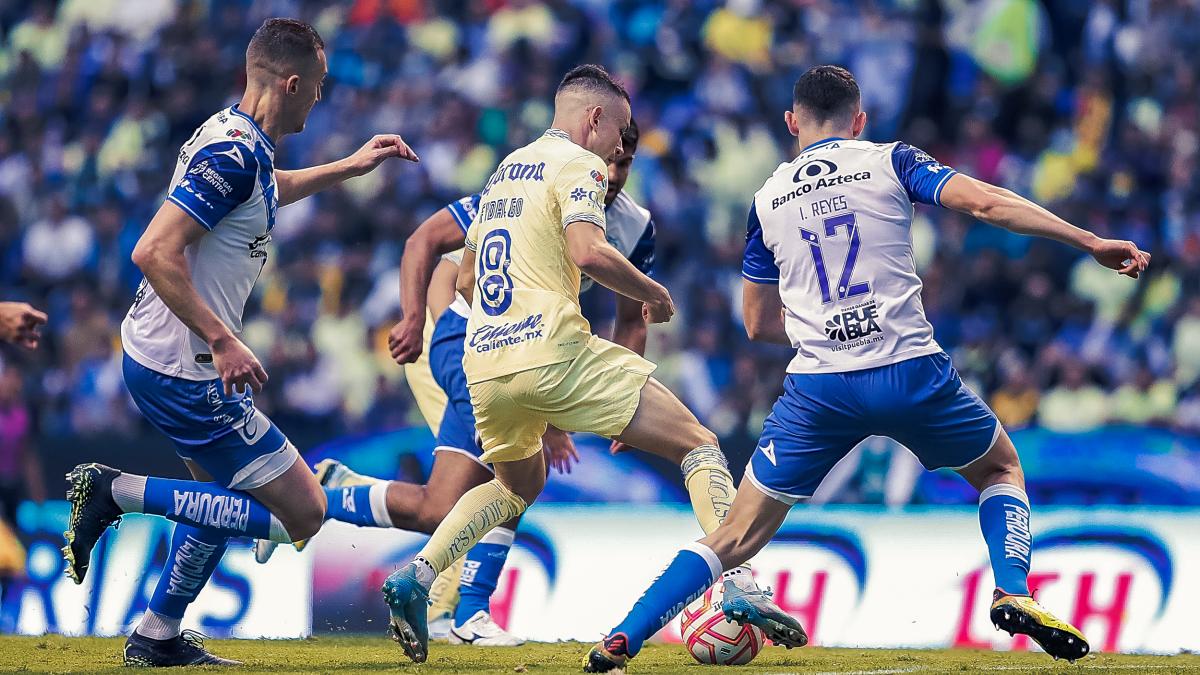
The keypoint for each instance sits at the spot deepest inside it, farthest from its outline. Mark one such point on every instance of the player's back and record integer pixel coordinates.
(526, 311)
(832, 227)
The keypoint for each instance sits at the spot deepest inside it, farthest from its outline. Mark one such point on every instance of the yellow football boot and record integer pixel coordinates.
(1022, 614)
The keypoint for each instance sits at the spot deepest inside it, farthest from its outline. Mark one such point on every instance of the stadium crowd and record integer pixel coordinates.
(1088, 107)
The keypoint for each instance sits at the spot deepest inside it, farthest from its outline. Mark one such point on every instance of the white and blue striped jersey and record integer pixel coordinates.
(831, 228)
(225, 180)
(629, 228)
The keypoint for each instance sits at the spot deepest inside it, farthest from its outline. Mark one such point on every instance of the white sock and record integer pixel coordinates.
(425, 572)
(129, 492)
(377, 495)
(741, 577)
(157, 626)
(500, 535)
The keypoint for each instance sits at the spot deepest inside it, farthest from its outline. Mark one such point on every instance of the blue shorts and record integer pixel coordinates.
(920, 403)
(227, 436)
(457, 432)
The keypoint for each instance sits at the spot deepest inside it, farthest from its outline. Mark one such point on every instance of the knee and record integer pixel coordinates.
(699, 435)
(529, 489)
(304, 520)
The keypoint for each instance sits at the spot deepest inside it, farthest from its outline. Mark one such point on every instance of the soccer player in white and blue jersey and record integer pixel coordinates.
(457, 467)
(184, 365)
(828, 270)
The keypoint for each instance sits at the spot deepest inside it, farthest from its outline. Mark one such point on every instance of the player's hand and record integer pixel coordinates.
(405, 341)
(1123, 256)
(659, 310)
(618, 447)
(237, 366)
(21, 324)
(378, 149)
(560, 450)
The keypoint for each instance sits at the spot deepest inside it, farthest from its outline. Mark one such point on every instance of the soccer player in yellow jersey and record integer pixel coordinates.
(531, 359)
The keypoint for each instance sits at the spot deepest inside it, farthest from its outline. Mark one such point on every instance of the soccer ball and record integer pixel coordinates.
(711, 639)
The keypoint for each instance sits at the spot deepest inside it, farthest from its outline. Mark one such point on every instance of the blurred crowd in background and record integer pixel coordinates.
(1091, 108)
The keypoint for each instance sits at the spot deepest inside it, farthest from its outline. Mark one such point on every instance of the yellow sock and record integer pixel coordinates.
(710, 486)
(479, 510)
(443, 595)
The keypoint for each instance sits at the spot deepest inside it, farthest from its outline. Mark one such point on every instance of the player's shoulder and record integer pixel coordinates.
(230, 126)
(827, 158)
(625, 209)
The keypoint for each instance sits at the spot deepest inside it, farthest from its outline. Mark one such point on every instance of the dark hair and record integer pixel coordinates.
(827, 92)
(286, 44)
(629, 139)
(593, 79)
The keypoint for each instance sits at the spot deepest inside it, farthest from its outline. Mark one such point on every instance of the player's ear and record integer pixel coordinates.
(860, 123)
(594, 117)
(792, 122)
(292, 84)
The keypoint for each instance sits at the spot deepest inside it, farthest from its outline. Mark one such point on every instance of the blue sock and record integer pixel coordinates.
(362, 505)
(1004, 519)
(206, 506)
(481, 573)
(194, 554)
(693, 570)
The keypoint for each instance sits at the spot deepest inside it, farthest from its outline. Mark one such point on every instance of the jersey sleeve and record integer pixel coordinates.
(922, 176)
(219, 178)
(580, 188)
(642, 256)
(464, 210)
(758, 263)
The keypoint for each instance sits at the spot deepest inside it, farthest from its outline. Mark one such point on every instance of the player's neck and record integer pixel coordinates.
(574, 131)
(811, 135)
(260, 106)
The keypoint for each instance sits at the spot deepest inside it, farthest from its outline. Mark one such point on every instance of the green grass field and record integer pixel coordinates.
(355, 654)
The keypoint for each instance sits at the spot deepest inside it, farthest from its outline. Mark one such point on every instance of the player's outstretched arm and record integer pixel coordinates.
(466, 275)
(762, 313)
(159, 253)
(20, 324)
(592, 253)
(437, 235)
(1004, 208)
(299, 183)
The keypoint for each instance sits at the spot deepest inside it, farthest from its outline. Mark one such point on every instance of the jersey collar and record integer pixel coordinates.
(558, 133)
(267, 139)
(822, 142)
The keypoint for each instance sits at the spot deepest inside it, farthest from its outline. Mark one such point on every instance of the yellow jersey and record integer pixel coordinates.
(526, 312)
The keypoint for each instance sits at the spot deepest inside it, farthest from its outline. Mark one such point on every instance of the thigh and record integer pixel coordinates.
(598, 392)
(943, 422)
(812, 426)
(508, 431)
(457, 433)
(235, 443)
(662, 425)
(293, 493)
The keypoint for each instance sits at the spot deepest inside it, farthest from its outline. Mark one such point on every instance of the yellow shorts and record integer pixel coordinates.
(596, 392)
(431, 400)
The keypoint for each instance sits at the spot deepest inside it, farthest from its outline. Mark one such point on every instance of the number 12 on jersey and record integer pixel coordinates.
(845, 288)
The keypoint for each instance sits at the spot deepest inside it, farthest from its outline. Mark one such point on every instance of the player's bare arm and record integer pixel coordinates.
(20, 324)
(465, 285)
(297, 184)
(159, 253)
(762, 313)
(592, 253)
(1004, 208)
(439, 234)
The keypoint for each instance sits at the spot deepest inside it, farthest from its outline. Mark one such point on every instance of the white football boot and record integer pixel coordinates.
(482, 631)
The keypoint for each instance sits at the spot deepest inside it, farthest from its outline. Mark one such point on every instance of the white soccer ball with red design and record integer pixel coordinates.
(711, 639)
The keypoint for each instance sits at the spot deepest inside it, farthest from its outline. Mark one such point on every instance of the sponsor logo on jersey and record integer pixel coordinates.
(236, 133)
(205, 172)
(487, 338)
(258, 247)
(579, 194)
(600, 179)
(854, 326)
(515, 171)
(814, 175)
